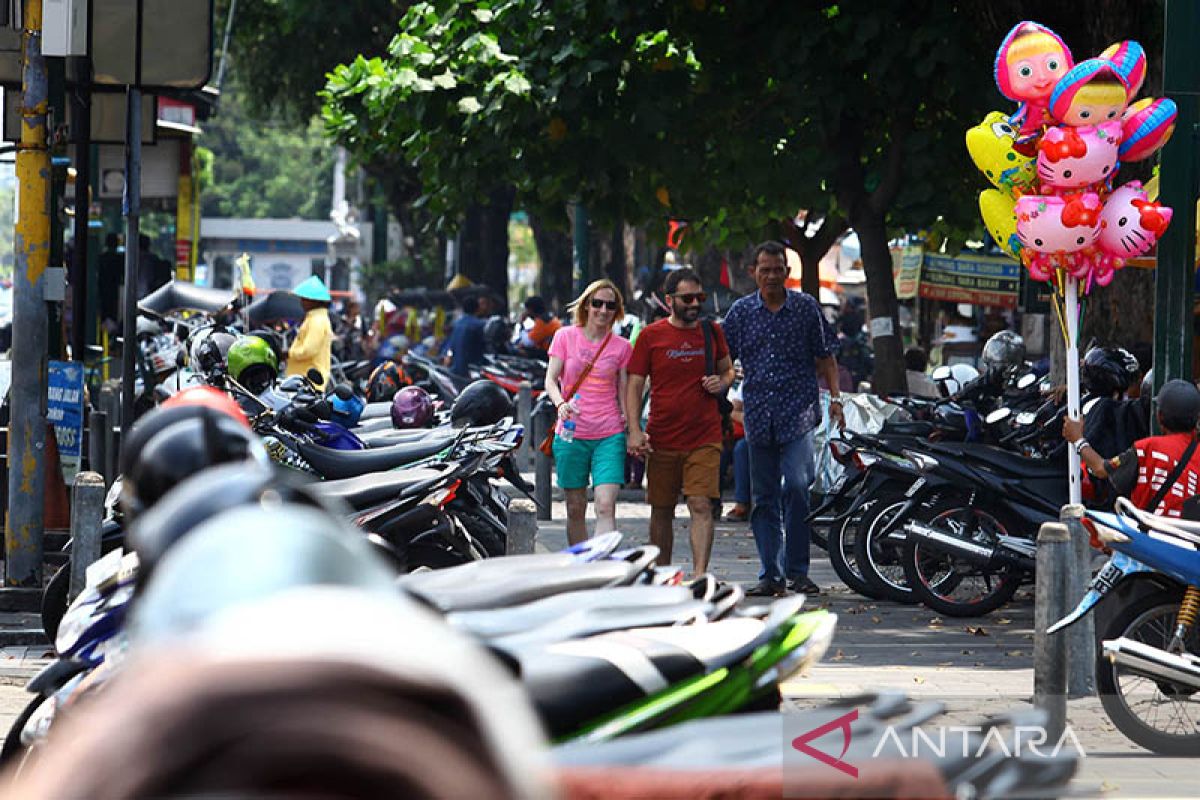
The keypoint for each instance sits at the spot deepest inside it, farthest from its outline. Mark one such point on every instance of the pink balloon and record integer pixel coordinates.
(1076, 157)
(1051, 224)
(1130, 224)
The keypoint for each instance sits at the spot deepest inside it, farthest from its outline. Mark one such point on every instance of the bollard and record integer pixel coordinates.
(98, 440)
(1054, 556)
(522, 527)
(524, 406)
(541, 467)
(87, 516)
(110, 404)
(1081, 637)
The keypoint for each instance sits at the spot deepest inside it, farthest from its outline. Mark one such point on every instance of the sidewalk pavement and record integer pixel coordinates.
(976, 666)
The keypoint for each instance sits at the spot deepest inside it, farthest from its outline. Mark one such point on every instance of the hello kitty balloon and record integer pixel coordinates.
(1129, 226)
(1055, 230)
(1074, 158)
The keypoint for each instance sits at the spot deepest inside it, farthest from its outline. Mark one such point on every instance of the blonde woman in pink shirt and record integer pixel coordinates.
(586, 382)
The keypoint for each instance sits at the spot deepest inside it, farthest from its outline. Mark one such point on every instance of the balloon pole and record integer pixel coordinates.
(1071, 303)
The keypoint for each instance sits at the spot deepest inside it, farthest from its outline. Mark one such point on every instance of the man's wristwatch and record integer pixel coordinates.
(1080, 444)
(837, 400)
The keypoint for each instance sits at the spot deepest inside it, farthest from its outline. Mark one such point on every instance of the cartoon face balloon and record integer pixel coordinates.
(1130, 224)
(1030, 61)
(1058, 224)
(1072, 158)
(990, 144)
(1091, 92)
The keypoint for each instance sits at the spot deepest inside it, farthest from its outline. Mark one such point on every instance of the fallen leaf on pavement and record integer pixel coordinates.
(936, 622)
(976, 631)
(918, 679)
(876, 620)
(1015, 653)
(1004, 621)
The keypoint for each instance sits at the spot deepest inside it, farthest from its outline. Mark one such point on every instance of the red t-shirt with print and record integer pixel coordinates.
(682, 415)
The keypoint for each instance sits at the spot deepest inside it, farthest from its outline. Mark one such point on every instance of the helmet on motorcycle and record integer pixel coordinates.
(1147, 389)
(252, 363)
(148, 328)
(496, 334)
(346, 410)
(1001, 352)
(385, 381)
(412, 408)
(481, 403)
(1178, 404)
(208, 349)
(202, 497)
(1108, 370)
(193, 438)
(954, 379)
(208, 397)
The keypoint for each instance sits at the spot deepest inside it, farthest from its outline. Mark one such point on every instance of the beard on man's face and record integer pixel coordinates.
(687, 313)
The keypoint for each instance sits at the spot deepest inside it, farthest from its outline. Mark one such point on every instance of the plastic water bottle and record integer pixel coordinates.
(568, 427)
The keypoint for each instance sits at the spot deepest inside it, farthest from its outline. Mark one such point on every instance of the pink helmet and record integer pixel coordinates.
(412, 408)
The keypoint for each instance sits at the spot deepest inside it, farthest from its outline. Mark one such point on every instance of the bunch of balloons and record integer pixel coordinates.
(1053, 162)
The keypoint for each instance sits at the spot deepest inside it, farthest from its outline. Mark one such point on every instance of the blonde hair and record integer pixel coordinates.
(581, 305)
(1032, 43)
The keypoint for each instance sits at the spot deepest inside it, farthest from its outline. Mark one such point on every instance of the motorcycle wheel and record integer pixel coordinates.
(842, 538)
(880, 560)
(488, 538)
(54, 601)
(952, 586)
(13, 749)
(1154, 714)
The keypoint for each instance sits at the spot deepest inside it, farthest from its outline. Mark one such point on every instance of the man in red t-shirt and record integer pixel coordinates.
(682, 441)
(1141, 471)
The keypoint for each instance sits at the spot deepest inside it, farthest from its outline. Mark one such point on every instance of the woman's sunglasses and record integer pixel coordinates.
(611, 305)
(688, 299)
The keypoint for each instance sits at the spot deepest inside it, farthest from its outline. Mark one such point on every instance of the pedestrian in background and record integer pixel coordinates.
(585, 380)
(543, 325)
(466, 345)
(683, 437)
(783, 341)
(918, 382)
(313, 346)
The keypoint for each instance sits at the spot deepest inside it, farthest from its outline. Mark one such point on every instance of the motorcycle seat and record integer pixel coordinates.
(575, 682)
(907, 428)
(368, 490)
(585, 622)
(493, 623)
(500, 588)
(372, 425)
(377, 410)
(334, 464)
(1013, 463)
(387, 437)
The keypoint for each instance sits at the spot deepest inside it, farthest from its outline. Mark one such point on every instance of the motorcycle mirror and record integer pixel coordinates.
(1026, 418)
(1026, 380)
(344, 392)
(999, 415)
(314, 375)
(941, 374)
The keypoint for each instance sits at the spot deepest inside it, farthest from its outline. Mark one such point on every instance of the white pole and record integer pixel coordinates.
(1071, 304)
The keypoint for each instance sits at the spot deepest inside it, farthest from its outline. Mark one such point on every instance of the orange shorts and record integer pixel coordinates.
(692, 472)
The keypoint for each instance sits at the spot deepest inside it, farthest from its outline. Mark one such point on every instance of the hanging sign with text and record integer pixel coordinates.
(979, 280)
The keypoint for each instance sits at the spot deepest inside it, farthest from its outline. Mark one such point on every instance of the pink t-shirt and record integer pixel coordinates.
(599, 411)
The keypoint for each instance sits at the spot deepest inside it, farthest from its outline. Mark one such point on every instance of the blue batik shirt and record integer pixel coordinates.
(778, 351)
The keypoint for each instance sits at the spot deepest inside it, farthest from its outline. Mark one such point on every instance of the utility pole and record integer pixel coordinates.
(1174, 279)
(23, 540)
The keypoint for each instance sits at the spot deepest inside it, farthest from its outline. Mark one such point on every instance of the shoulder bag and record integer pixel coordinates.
(547, 445)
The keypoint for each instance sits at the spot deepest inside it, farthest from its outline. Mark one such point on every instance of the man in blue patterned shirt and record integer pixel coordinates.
(783, 341)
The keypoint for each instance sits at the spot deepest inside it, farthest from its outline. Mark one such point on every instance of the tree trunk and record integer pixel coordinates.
(484, 255)
(881, 300)
(813, 248)
(553, 241)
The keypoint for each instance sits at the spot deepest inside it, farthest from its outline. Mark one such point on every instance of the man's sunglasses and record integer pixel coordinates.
(611, 305)
(688, 299)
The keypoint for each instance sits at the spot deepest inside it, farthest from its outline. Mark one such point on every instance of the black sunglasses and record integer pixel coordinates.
(688, 299)
(611, 305)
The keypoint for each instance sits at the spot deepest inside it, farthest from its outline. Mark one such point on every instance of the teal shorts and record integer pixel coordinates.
(604, 459)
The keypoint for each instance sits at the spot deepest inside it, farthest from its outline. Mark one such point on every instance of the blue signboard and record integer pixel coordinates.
(64, 409)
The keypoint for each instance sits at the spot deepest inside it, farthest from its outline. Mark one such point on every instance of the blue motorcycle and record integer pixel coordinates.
(1148, 669)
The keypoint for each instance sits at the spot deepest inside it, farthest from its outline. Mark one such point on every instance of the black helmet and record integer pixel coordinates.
(1002, 351)
(1108, 370)
(175, 444)
(481, 403)
(208, 349)
(219, 489)
(496, 333)
(1178, 406)
(1148, 384)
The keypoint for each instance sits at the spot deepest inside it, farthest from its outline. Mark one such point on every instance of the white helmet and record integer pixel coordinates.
(952, 379)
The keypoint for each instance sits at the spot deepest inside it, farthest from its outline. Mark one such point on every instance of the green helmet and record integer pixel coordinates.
(252, 361)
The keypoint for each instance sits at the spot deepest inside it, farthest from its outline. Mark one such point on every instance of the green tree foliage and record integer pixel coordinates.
(265, 167)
